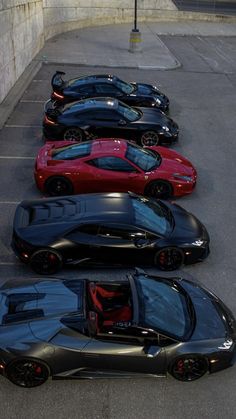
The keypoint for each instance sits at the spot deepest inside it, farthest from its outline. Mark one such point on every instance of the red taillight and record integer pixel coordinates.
(58, 96)
(48, 121)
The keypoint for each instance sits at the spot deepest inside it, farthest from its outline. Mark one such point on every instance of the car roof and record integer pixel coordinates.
(91, 79)
(74, 210)
(109, 146)
(91, 104)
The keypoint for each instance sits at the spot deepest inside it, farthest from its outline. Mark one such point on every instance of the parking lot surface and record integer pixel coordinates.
(202, 96)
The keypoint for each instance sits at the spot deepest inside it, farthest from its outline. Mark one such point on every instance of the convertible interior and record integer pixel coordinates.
(108, 304)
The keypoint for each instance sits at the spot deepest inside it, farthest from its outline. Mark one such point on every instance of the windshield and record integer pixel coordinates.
(151, 216)
(122, 85)
(145, 159)
(163, 306)
(129, 113)
(71, 152)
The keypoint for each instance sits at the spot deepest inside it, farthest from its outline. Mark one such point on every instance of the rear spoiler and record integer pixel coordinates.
(57, 82)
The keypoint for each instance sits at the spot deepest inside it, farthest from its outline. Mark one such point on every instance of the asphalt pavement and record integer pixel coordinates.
(201, 85)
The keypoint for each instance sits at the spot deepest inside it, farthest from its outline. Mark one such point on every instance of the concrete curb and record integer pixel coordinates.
(13, 97)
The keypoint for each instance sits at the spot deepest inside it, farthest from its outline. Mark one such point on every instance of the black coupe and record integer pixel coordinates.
(106, 229)
(134, 94)
(141, 326)
(107, 117)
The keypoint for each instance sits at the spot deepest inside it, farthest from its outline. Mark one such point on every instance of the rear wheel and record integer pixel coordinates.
(26, 372)
(160, 189)
(169, 258)
(46, 261)
(58, 185)
(74, 134)
(189, 368)
(149, 138)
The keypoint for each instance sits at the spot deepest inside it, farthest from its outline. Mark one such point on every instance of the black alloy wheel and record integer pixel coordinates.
(149, 138)
(74, 134)
(169, 258)
(58, 186)
(27, 372)
(160, 189)
(189, 368)
(46, 262)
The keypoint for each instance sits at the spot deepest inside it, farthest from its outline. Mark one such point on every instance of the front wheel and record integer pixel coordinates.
(159, 189)
(169, 258)
(188, 368)
(58, 186)
(74, 134)
(46, 261)
(27, 372)
(149, 138)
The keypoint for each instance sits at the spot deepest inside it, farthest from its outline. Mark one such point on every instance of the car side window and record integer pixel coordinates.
(114, 164)
(106, 115)
(86, 89)
(106, 89)
(111, 232)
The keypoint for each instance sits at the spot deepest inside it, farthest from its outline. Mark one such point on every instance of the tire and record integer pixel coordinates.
(149, 138)
(26, 372)
(74, 134)
(46, 261)
(169, 258)
(160, 189)
(189, 368)
(58, 186)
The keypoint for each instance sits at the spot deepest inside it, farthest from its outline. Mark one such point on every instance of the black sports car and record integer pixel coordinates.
(106, 228)
(145, 325)
(107, 117)
(98, 85)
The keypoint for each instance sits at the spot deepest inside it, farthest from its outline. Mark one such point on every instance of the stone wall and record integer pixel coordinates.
(21, 37)
(64, 15)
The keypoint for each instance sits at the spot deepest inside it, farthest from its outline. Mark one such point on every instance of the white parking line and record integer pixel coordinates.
(17, 158)
(32, 101)
(7, 263)
(9, 202)
(22, 126)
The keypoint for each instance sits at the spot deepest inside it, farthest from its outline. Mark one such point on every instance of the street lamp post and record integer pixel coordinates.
(135, 40)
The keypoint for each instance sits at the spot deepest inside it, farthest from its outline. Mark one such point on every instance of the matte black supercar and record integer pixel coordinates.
(146, 325)
(106, 228)
(98, 85)
(107, 117)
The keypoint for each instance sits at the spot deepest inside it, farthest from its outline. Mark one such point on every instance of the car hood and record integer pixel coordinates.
(154, 116)
(187, 227)
(209, 323)
(174, 162)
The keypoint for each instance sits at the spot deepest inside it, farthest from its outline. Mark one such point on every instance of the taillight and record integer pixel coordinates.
(57, 95)
(48, 121)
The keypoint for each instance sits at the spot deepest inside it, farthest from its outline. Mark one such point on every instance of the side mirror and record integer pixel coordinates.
(152, 351)
(122, 122)
(140, 242)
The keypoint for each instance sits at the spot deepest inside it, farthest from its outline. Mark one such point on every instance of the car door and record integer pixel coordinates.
(108, 90)
(123, 244)
(114, 174)
(108, 123)
(130, 353)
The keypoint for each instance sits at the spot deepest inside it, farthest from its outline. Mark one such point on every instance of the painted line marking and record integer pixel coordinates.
(23, 126)
(17, 157)
(32, 101)
(9, 202)
(7, 263)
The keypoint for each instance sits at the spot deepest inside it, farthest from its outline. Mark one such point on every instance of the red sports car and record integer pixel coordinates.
(112, 165)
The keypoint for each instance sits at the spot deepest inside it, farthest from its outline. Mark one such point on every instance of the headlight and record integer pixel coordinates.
(198, 242)
(182, 177)
(158, 101)
(165, 129)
